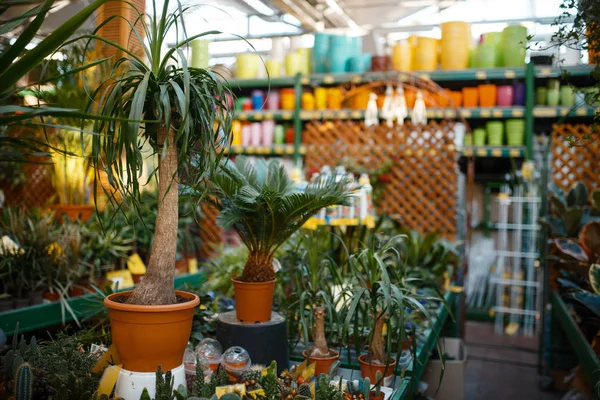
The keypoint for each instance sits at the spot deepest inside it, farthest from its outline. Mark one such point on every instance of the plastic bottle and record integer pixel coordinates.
(236, 133)
(340, 175)
(366, 204)
(324, 177)
(350, 209)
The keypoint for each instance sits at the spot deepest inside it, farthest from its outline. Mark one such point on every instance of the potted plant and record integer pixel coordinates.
(73, 175)
(259, 201)
(316, 276)
(376, 301)
(183, 113)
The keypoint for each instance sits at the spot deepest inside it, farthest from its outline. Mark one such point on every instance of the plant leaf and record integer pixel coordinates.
(595, 277)
(571, 248)
(578, 195)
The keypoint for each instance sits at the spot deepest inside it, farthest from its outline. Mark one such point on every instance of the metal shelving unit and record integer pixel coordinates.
(275, 150)
(51, 314)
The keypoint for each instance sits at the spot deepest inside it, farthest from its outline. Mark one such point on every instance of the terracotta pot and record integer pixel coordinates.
(368, 370)
(149, 336)
(83, 212)
(51, 296)
(373, 396)
(253, 300)
(322, 364)
(137, 278)
(76, 291)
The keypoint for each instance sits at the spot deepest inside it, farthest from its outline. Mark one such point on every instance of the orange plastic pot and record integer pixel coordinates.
(487, 95)
(411, 97)
(253, 300)
(82, 212)
(469, 97)
(455, 98)
(149, 336)
(368, 370)
(322, 365)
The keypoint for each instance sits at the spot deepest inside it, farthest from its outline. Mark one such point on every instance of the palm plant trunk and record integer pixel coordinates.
(258, 268)
(157, 287)
(376, 348)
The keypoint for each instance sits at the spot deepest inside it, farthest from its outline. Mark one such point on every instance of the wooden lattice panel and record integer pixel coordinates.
(422, 191)
(119, 29)
(37, 191)
(579, 163)
(210, 232)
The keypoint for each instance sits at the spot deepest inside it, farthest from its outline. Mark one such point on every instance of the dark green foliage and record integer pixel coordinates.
(221, 377)
(23, 382)
(164, 385)
(70, 386)
(258, 200)
(198, 385)
(230, 396)
(325, 391)
(145, 395)
(270, 384)
(251, 374)
(304, 390)
(300, 397)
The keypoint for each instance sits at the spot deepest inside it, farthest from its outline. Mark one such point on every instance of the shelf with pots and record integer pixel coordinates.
(432, 113)
(563, 111)
(275, 150)
(494, 151)
(265, 115)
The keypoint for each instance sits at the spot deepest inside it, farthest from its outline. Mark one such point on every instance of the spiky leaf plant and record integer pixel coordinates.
(258, 200)
(187, 121)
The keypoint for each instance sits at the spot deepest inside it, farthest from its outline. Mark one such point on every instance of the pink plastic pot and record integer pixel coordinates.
(505, 96)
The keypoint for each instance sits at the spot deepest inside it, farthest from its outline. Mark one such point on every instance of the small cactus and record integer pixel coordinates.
(304, 390)
(23, 382)
(366, 388)
(378, 383)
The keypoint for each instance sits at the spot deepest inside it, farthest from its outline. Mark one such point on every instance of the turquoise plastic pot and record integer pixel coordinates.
(495, 131)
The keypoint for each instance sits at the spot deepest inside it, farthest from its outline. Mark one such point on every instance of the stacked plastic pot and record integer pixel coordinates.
(514, 43)
(338, 54)
(455, 45)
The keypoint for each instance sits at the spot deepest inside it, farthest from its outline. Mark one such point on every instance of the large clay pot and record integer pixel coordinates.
(83, 212)
(253, 300)
(368, 370)
(149, 336)
(322, 365)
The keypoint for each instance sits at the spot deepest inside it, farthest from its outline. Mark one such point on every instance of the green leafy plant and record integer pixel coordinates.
(186, 120)
(260, 203)
(377, 299)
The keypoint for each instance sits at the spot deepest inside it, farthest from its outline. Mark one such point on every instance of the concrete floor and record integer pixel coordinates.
(501, 373)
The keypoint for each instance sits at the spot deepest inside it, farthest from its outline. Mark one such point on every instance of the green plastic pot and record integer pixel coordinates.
(515, 132)
(495, 131)
(553, 97)
(479, 137)
(567, 96)
(468, 140)
(541, 96)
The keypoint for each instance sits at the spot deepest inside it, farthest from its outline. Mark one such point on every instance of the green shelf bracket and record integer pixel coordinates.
(51, 314)
(529, 102)
(589, 361)
(297, 120)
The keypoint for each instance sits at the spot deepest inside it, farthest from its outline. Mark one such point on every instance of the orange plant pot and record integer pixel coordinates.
(149, 336)
(487, 95)
(368, 370)
(322, 365)
(455, 98)
(82, 212)
(469, 97)
(411, 97)
(253, 300)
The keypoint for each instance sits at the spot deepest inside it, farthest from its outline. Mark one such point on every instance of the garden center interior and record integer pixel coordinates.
(299, 199)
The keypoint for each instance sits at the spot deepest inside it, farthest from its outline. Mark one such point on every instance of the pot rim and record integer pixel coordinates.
(336, 355)
(113, 305)
(236, 281)
(362, 357)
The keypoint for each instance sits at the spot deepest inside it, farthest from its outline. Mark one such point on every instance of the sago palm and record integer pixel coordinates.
(186, 119)
(259, 201)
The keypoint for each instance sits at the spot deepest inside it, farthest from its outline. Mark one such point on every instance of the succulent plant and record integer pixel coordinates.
(23, 382)
(230, 396)
(304, 390)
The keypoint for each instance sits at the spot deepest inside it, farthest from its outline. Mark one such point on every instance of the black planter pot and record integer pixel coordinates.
(6, 304)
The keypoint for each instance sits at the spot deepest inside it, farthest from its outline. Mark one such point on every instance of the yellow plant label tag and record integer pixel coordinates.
(109, 380)
(240, 389)
(108, 359)
(135, 265)
(122, 278)
(192, 265)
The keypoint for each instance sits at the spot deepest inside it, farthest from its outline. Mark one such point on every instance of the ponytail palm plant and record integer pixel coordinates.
(182, 112)
(260, 203)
